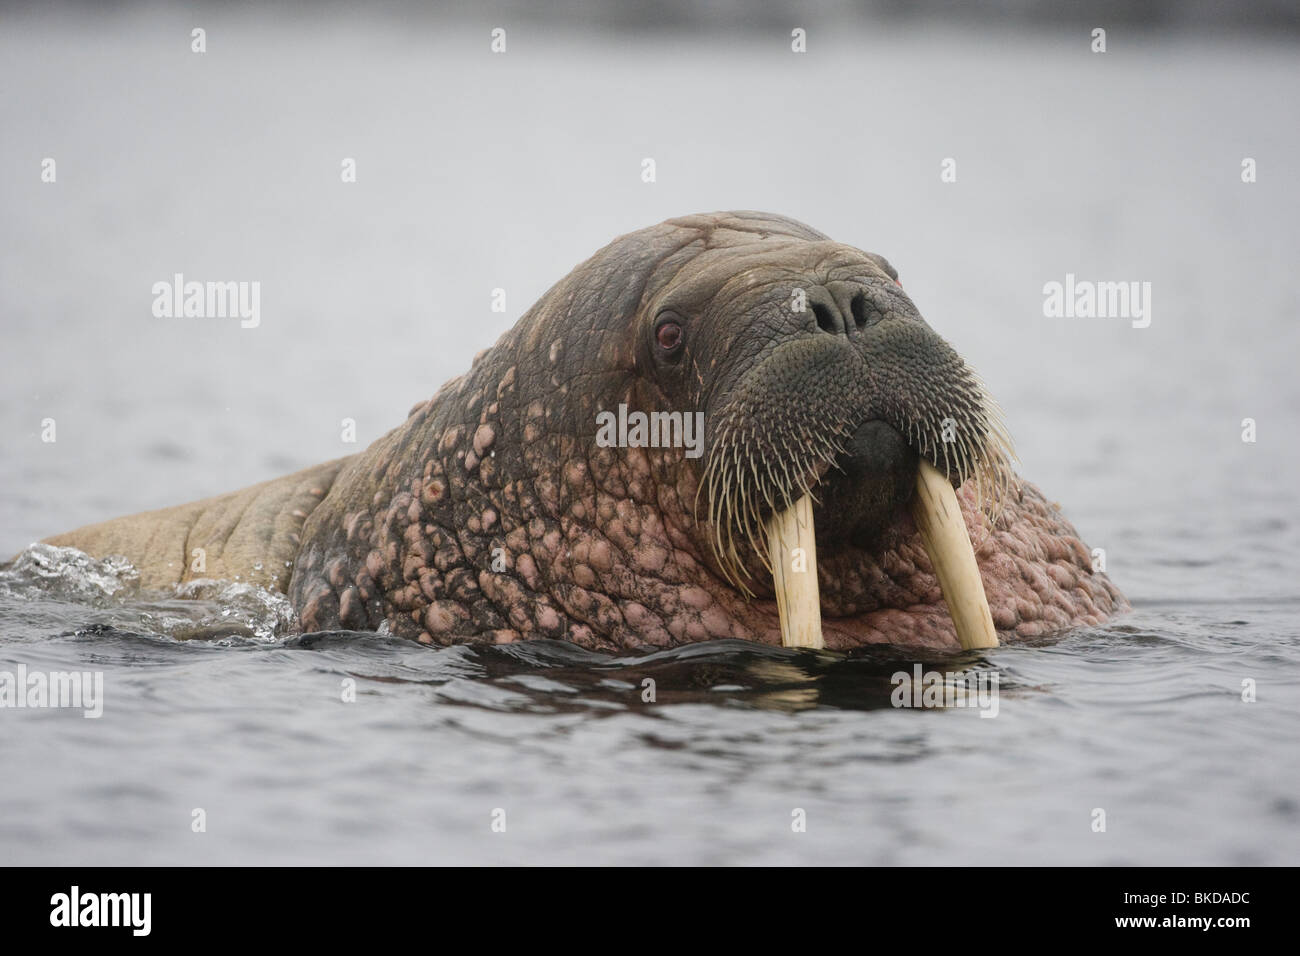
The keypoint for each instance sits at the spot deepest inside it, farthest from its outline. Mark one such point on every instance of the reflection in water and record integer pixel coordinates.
(717, 672)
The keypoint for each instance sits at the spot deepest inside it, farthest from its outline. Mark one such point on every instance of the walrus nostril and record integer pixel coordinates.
(828, 318)
(859, 309)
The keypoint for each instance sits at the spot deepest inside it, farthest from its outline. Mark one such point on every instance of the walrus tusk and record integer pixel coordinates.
(943, 532)
(794, 575)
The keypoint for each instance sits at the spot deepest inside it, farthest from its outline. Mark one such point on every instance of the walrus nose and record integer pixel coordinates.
(841, 308)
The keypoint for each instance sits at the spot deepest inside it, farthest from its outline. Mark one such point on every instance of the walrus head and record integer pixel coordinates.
(814, 375)
(504, 505)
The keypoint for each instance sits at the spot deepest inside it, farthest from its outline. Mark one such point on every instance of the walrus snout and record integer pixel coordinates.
(838, 393)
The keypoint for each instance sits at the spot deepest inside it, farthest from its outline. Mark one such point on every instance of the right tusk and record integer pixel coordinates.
(797, 597)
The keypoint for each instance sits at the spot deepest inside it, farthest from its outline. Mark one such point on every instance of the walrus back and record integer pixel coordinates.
(248, 535)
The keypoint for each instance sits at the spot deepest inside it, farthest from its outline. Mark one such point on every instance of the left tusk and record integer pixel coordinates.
(943, 532)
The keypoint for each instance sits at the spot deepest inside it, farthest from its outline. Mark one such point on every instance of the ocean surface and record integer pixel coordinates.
(478, 172)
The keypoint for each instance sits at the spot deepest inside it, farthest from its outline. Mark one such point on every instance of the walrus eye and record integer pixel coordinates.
(668, 334)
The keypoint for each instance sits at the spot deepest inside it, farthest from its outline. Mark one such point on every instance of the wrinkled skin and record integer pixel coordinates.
(492, 514)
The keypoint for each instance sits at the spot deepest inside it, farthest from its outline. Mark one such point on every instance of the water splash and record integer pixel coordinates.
(200, 609)
(45, 570)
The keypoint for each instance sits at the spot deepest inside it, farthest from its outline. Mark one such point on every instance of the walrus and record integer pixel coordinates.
(560, 489)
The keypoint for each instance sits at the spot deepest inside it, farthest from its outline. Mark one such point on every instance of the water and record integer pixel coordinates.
(477, 172)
